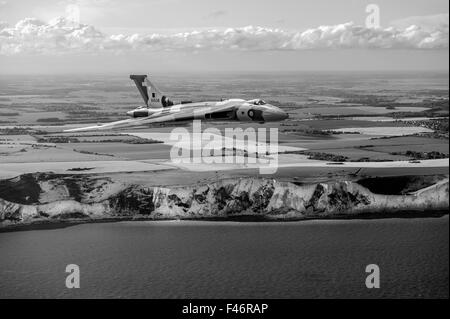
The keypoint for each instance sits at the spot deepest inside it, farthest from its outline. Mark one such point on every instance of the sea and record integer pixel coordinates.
(193, 259)
(196, 259)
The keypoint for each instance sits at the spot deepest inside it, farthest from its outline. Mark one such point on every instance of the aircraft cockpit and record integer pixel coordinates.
(257, 102)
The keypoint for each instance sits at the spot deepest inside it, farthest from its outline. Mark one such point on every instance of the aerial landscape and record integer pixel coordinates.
(358, 131)
(346, 152)
(214, 156)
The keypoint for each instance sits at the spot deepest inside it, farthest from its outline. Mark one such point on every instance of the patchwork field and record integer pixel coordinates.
(338, 124)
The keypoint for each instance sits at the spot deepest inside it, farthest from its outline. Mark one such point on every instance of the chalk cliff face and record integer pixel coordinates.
(41, 197)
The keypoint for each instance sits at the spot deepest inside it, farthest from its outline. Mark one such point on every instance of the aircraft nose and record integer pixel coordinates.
(275, 114)
(130, 113)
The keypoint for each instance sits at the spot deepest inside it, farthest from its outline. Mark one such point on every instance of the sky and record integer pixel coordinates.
(79, 36)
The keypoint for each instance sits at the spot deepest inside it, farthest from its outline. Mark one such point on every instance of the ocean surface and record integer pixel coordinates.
(312, 259)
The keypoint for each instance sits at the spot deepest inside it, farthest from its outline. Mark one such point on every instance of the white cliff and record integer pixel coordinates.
(58, 198)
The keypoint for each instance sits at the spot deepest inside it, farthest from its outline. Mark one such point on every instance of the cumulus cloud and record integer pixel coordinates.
(428, 23)
(217, 14)
(60, 36)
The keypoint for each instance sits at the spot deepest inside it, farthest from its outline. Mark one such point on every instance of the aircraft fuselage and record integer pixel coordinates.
(242, 110)
(160, 109)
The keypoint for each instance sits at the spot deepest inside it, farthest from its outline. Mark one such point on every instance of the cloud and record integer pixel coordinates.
(216, 14)
(425, 22)
(62, 36)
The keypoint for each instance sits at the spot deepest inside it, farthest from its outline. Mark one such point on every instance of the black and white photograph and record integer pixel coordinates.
(224, 154)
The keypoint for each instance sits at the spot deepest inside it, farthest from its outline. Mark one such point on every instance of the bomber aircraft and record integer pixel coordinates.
(159, 108)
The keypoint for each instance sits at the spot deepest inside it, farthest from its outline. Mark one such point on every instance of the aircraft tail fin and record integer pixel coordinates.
(140, 82)
(150, 93)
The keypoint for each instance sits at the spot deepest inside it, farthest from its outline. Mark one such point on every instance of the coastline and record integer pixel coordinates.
(58, 224)
(45, 201)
